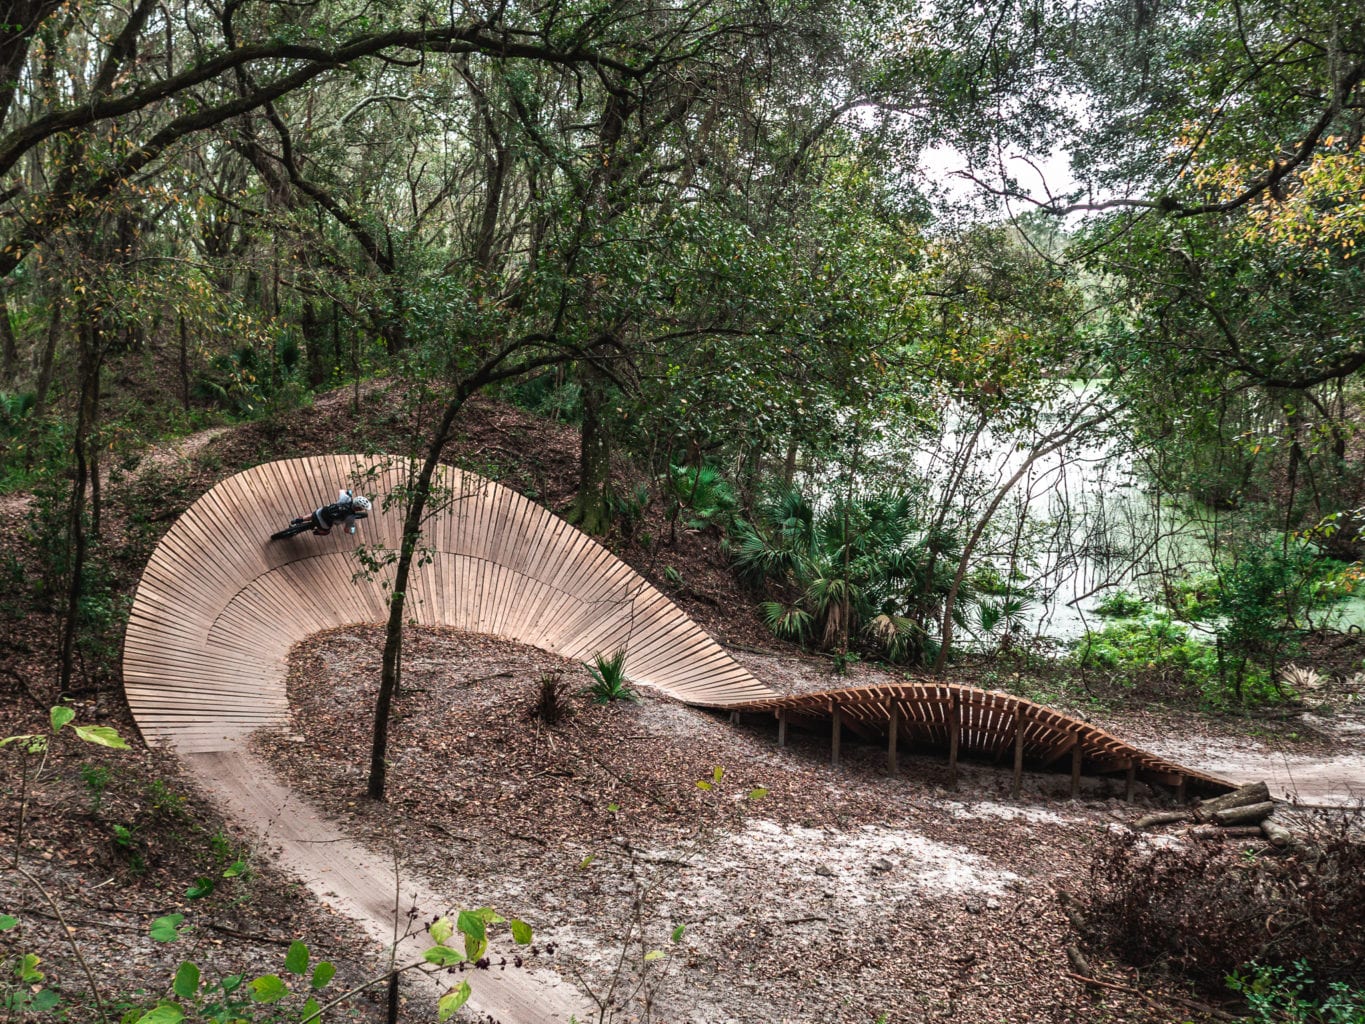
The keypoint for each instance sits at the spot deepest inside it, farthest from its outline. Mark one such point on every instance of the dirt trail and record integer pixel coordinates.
(359, 884)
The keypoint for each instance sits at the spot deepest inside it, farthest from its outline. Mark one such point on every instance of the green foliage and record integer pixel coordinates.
(1121, 605)
(609, 678)
(96, 779)
(864, 566)
(700, 496)
(1289, 995)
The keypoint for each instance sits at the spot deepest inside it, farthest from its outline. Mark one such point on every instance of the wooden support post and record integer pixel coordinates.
(1180, 791)
(1076, 769)
(734, 718)
(836, 735)
(1018, 753)
(954, 735)
(1128, 781)
(892, 727)
(782, 728)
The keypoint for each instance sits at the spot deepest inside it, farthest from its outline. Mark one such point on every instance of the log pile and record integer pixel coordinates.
(1243, 813)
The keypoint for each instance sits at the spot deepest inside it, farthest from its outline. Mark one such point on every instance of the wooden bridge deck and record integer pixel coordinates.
(220, 605)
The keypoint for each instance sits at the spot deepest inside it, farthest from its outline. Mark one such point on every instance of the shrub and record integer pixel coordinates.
(1207, 910)
(609, 678)
(1121, 605)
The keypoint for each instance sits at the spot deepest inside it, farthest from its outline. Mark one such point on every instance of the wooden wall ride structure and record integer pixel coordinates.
(220, 605)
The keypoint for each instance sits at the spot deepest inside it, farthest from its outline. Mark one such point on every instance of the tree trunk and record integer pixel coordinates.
(88, 372)
(9, 365)
(1251, 814)
(46, 358)
(591, 509)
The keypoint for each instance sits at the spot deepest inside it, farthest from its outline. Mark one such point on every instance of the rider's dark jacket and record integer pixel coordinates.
(343, 510)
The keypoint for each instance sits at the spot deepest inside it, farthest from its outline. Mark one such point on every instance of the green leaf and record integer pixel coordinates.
(521, 932)
(703, 784)
(311, 1011)
(268, 988)
(46, 999)
(28, 969)
(452, 1001)
(586, 861)
(166, 1013)
(61, 715)
(441, 929)
(7, 922)
(613, 808)
(166, 929)
(471, 925)
(717, 773)
(758, 793)
(443, 956)
(296, 960)
(15, 739)
(488, 915)
(186, 984)
(101, 735)
(201, 888)
(236, 869)
(678, 932)
(323, 973)
(654, 954)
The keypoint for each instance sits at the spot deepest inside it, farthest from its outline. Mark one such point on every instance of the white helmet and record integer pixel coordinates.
(362, 503)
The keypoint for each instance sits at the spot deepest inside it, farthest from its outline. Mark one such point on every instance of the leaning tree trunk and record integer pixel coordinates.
(88, 371)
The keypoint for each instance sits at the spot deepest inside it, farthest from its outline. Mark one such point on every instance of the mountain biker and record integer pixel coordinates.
(345, 510)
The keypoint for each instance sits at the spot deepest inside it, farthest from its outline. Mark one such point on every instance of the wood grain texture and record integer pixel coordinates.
(220, 605)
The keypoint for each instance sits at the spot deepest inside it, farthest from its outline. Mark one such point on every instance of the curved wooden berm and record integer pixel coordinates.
(220, 605)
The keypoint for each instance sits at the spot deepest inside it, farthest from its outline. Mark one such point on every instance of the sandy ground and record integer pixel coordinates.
(831, 896)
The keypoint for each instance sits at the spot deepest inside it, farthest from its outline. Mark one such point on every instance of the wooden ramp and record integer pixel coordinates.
(984, 723)
(220, 605)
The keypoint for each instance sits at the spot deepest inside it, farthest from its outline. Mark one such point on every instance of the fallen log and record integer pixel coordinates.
(1251, 793)
(1161, 818)
(1251, 814)
(1235, 832)
(1277, 834)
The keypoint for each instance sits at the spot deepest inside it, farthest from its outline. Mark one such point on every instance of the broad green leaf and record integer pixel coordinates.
(268, 988)
(452, 1001)
(443, 956)
(296, 960)
(236, 869)
(101, 735)
(166, 929)
(441, 929)
(758, 793)
(46, 999)
(7, 922)
(654, 954)
(15, 739)
(471, 925)
(166, 1013)
(28, 969)
(678, 932)
(311, 1012)
(186, 984)
(521, 932)
(717, 773)
(488, 915)
(231, 983)
(61, 715)
(323, 973)
(703, 784)
(586, 861)
(202, 887)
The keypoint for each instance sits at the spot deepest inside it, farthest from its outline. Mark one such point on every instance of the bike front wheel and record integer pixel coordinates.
(292, 530)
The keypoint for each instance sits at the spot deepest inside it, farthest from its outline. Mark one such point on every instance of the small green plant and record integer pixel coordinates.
(1121, 605)
(844, 661)
(1289, 995)
(96, 779)
(609, 678)
(552, 697)
(673, 578)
